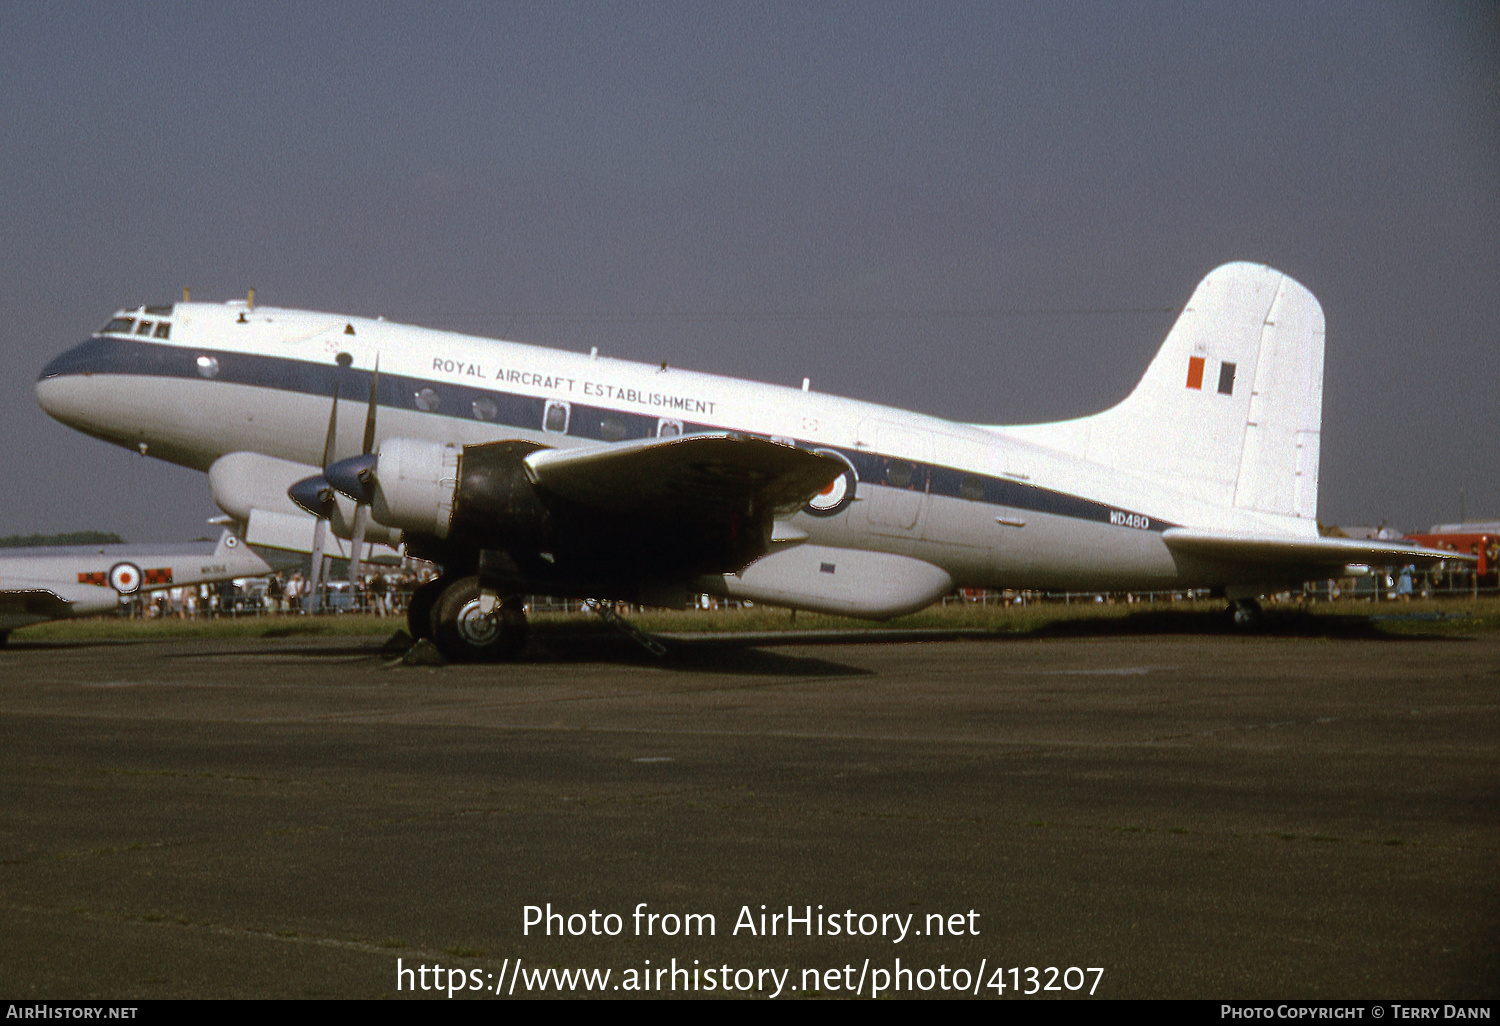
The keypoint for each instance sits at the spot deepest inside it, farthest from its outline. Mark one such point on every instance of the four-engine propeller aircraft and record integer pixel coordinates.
(528, 470)
(59, 582)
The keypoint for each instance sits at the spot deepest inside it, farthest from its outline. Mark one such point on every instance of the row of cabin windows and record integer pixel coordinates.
(128, 326)
(556, 416)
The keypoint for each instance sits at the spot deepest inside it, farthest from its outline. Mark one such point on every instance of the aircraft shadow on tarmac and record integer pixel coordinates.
(1291, 623)
(752, 655)
(764, 652)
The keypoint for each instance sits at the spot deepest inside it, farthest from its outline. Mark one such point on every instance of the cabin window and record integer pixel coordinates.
(555, 419)
(899, 474)
(668, 428)
(971, 488)
(427, 400)
(612, 429)
(484, 408)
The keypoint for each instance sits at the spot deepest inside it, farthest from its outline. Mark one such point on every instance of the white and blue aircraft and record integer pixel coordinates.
(524, 470)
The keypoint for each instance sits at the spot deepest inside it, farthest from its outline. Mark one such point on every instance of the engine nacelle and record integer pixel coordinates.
(416, 485)
(252, 488)
(429, 488)
(468, 508)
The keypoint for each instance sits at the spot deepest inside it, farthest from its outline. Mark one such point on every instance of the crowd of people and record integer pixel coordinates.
(382, 591)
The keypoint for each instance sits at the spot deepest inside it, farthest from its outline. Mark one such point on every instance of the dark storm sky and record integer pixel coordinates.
(981, 211)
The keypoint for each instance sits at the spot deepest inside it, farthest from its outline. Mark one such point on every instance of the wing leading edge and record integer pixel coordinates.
(689, 477)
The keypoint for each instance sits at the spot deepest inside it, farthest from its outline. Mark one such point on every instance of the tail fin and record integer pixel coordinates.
(1230, 410)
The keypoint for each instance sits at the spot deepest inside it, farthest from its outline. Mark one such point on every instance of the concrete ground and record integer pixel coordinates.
(1197, 816)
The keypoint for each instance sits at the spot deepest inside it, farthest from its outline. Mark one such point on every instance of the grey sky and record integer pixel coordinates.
(982, 211)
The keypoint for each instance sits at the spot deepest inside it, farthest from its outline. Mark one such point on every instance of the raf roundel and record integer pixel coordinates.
(839, 492)
(125, 578)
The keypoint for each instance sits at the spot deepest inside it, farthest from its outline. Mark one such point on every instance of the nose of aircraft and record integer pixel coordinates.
(74, 386)
(69, 387)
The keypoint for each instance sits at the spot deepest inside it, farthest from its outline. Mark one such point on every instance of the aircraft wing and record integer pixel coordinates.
(1312, 553)
(686, 477)
(33, 605)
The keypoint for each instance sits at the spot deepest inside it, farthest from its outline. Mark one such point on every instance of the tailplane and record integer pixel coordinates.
(1229, 412)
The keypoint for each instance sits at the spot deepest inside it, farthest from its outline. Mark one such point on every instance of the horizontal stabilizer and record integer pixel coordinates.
(1311, 553)
(685, 477)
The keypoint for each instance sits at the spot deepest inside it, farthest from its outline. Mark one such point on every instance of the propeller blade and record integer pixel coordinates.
(357, 542)
(315, 494)
(320, 536)
(331, 439)
(369, 445)
(367, 478)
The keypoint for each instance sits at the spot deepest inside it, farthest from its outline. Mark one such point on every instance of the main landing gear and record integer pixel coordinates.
(466, 625)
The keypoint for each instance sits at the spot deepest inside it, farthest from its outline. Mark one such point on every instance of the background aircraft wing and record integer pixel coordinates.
(1312, 553)
(686, 477)
(35, 602)
(23, 606)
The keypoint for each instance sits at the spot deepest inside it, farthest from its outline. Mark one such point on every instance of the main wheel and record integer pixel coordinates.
(419, 609)
(1246, 615)
(464, 633)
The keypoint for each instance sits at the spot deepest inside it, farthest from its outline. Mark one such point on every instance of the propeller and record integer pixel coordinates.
(316, 495)
(363, 499)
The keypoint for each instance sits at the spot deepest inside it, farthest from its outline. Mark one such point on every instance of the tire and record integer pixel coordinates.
(465, 635)
(1246, 615)
(419, 609)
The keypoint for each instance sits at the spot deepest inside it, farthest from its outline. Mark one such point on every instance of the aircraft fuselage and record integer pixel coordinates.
(192, 382)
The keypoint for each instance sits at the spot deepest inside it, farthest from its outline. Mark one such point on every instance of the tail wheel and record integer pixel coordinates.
(1246, 615)
(464, 633)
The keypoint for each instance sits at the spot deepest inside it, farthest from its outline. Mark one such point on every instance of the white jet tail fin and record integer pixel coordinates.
(1229, 412)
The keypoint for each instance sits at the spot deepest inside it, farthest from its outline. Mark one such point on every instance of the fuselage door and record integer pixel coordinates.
(894, 497)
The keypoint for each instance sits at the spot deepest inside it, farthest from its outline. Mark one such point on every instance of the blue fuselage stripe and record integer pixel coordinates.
(105, 355)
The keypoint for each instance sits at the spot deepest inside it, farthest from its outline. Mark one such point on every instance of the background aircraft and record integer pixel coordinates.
(78, 580)
(528, 470)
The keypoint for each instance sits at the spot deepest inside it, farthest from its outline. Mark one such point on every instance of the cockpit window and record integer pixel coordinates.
(165, 308)
(163, 329)
(118, 326)
(144, 329)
